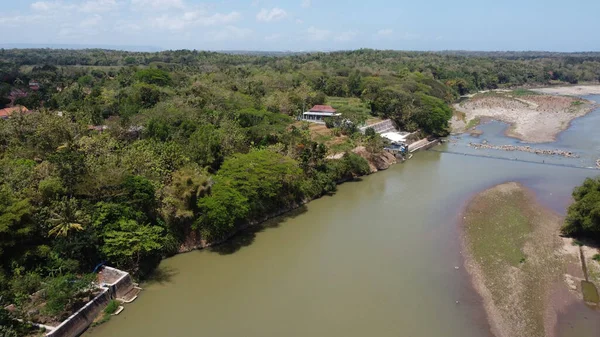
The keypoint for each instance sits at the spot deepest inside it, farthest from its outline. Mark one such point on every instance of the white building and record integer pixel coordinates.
(318, 113)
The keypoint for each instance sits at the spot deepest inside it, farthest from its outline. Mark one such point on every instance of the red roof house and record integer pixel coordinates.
(322, 108)
(7, 112)
(318, 113)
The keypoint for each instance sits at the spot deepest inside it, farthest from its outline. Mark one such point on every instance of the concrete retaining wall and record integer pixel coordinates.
(81, 320)
(122, 284)
(381, 127)
(115, 284)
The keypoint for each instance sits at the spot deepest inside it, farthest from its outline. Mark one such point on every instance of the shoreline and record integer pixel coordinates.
(536, 118)
(526, 315)
(193, 241)
(574, 90)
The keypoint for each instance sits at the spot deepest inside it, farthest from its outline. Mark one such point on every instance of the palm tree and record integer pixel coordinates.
(66, 217)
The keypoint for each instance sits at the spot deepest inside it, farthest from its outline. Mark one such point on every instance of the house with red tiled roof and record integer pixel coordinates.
(318, 113)
(7, 112)
(34, 85)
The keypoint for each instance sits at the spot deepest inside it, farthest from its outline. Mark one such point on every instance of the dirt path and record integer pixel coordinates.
(533, 117)
(511, 249)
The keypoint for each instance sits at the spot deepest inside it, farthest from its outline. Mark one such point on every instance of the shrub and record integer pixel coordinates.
(112, 307)
(583, 217)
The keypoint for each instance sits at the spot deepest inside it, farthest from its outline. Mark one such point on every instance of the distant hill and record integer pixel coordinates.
(78, 46)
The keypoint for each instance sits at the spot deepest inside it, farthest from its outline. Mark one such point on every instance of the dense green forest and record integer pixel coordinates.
(125, 155)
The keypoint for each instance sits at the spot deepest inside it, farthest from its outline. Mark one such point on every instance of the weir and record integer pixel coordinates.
(114, 284)
(514, 159)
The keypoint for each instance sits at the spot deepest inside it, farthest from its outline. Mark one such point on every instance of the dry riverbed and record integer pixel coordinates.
(534, 118)
(517, 259)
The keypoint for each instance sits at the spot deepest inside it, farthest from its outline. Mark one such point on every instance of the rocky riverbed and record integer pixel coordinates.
(557, 152)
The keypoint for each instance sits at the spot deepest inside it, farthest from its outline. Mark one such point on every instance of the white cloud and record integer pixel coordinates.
(229, 33)
(20, 20)
(194, 18)
(315, 34)
(306, 3)
(299, 21)
(95, 6)
(158, 4)
(385, 32)
(273, 37)
(274, 14)
(346, 36)
(91, 21)
(44, 6)
(89, 6)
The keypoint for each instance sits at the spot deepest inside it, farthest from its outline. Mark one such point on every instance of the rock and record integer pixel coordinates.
(377, 161)
(529, 149)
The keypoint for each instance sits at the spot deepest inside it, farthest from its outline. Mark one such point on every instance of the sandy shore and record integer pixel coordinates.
(514, 255)
(578, 90)
(533, 118)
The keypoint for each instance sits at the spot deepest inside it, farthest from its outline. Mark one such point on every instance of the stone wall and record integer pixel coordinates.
(81, 320)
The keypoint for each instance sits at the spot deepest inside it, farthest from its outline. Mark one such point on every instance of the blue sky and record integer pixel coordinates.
(307, 24)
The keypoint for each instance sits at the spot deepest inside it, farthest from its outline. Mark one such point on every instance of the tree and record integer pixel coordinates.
(268, 180)
(181, 196)
(66, 217)
(355, 85)
(62, 292)
(222, 210)
(205, 146)
(16, 226)
(583, 216)
(154, 76)
(130, 242)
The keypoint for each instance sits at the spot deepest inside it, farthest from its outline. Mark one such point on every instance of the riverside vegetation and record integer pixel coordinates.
(195, 143)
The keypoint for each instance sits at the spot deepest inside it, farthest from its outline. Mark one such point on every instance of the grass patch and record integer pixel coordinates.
(499, 223)
(110, 309)
(351, 106)
(473, 123)
(596, 257)
(497, 228)
(577, 103)
(523, 92)
(590, 293)
(342, 147)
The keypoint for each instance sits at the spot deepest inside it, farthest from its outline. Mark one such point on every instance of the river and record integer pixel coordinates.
(378, 258)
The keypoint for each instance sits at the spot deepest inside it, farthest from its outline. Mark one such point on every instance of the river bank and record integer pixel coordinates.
(534, 118)
(377, 162)
(576, 90)
(521, 267)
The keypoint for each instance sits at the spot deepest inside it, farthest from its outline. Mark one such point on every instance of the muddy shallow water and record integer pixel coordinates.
(376, 259)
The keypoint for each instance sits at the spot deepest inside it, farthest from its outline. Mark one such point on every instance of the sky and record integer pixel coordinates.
(306, 25)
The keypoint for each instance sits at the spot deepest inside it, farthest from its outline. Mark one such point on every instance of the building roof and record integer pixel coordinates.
(322, 108)
(395, 136)
(321, 113)
(7, 112)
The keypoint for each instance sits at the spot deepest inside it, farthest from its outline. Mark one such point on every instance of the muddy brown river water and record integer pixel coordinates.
(376, 259)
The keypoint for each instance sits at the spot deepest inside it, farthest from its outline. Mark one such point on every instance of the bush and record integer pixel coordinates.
(112, 307)
(62, 292)
(583, 217)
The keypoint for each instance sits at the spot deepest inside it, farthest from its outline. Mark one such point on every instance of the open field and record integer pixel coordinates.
(534, 118)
